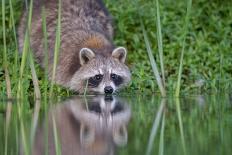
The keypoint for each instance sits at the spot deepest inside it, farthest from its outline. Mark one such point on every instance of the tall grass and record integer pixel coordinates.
(25, 51)
(35, 120)
(161, 83)
(45, 40)
(56, 138)
(25, 144)
(153, 62)
(155, 127)
(180, 124)
(161, 143)
(8, 119)
(185, 31)
(16, 59)
(86, 87)
(5, 62)
(31, 59)
(57, 48)
(34, 77)
(160, 42)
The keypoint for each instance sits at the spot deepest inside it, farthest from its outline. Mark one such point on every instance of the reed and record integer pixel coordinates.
(45, 40)
(24, 139)
(153, 62)
(155, 127)
(160, 42)
(161, 143)
(34, 77)
(8, 120)
(5, 61)
(185, 31)
(16, 53)
(56, 138)
(180, 124)
(34, 122)
(86, 87)
(25, 51)
(57, 49)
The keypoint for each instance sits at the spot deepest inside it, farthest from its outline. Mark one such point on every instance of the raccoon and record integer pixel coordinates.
(88, 57)
(97, 126)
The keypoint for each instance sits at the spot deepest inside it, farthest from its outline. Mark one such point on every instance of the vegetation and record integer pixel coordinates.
(205, 41)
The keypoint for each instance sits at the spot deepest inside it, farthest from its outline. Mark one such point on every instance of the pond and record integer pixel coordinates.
(108, 125)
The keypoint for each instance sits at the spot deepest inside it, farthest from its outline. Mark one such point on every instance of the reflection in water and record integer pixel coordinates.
(95, 125)
(191, 125)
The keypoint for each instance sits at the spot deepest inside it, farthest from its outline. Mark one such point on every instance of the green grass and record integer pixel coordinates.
(160, 40)
(205, 42)
(155, 127)
(185, 32)
(153, 62)
(206, 65)
(5, 60)
(57, 48)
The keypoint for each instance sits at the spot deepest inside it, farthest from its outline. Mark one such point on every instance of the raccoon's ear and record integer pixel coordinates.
(120, 54)
(85, 55)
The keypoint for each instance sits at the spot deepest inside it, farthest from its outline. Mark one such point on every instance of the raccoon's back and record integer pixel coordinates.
(90, 15)
(80, 19)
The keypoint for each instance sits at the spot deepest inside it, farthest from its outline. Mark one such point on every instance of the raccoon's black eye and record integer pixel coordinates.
(114, 76)
(98, 77)
(116, 79)
(95, 81)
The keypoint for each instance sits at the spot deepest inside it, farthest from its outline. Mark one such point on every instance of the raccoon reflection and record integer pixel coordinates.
(96, 127)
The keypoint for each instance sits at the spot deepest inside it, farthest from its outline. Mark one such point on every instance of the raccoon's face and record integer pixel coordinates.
(100, 74)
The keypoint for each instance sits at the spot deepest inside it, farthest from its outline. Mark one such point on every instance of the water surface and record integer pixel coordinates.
(110, 125)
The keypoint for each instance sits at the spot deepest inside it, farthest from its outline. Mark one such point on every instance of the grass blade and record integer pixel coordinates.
(5, 62)
(183, 48)
(25, 51)
(56, 138)
(86, 87)
(180, 124)
(45, 39)
(155, 127)
(57, 48)
(161, 144)
(34, 77)
(15, 39)
(160, 42)
(8, 119)
(35, 121)
(25, 143)
(153, 63)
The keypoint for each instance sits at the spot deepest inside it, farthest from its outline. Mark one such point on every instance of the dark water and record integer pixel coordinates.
(102, 125)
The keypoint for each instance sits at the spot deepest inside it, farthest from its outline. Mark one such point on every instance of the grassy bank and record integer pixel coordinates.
(207, 63)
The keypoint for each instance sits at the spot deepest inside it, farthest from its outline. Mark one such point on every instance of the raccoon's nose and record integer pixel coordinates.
(108, 90)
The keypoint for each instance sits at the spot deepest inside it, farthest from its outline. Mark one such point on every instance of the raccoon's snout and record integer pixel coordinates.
(108, 90)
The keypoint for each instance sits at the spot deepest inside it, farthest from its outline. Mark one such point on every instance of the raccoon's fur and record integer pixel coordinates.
(87, 52)
(96, 127)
